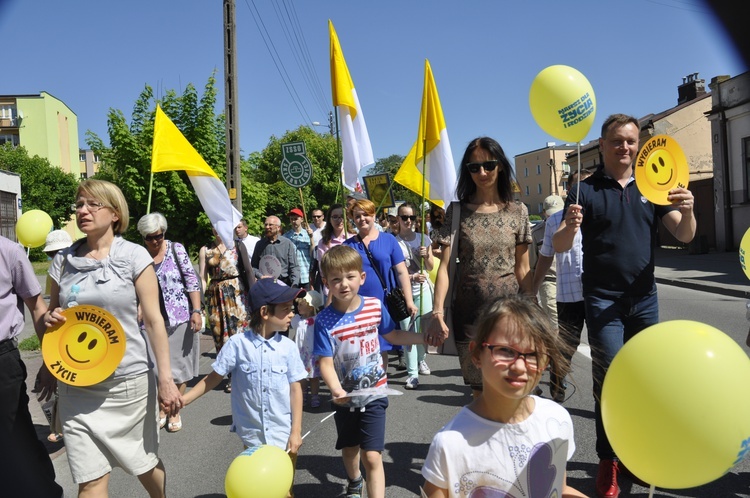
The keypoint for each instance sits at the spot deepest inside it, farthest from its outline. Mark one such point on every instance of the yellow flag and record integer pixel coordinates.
(355, 141)
(172, 152)
(430, 158)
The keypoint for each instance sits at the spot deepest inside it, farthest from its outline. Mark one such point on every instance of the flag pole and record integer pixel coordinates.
(150, 189)
(421, 234)
(339, 159)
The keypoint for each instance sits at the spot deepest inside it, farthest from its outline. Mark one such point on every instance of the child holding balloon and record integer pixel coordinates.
(264, 378)
(506, 440)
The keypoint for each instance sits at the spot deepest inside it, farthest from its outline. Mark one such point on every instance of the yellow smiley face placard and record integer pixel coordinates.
(661, 166)
(86, 348)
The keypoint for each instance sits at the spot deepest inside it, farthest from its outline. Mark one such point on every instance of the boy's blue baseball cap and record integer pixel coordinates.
(268, 291)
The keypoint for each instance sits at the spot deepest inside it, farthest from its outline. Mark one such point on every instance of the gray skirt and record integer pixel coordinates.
(184, 352)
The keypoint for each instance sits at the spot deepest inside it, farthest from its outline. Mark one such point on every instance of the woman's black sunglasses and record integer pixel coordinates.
(405, 218)
(487, 165)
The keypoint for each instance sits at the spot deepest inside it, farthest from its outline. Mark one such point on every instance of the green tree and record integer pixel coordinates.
(43, 186)
(127, 160)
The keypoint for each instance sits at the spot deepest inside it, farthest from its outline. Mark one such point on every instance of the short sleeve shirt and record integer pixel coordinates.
(17, 282)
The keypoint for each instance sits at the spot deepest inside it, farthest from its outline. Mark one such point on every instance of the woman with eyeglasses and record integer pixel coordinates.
(113, 423)
(493, 242)
(506, 442)
(226, 276)
(180, 304)
(334, 233)
(419, 261)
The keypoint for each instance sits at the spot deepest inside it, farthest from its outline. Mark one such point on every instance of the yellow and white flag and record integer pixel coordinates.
(355, 142)
(432, 145)
(172, 152)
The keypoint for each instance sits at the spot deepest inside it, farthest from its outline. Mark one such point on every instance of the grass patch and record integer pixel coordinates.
(40, 267)
(29, 344)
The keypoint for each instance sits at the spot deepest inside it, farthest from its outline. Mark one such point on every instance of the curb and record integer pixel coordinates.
(702, 286)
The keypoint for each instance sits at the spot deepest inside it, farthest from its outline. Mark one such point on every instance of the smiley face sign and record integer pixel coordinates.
(661, 166)
(86, 348)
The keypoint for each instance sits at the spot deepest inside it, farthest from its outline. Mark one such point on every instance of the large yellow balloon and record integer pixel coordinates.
(260, 472)
(745, 253)
(32, 228)
(671, 405)
(563, 103)
(433, 273)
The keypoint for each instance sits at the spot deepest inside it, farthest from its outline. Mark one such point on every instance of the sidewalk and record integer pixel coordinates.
(716, 272)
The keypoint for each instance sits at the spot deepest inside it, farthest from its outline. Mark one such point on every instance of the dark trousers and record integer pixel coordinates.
(25, 466)
(570, 320)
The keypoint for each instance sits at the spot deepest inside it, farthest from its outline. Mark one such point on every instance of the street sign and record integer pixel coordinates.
(296, 169)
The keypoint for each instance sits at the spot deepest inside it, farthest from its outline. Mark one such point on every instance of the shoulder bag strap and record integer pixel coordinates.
(372, 263)
(177, 262)
(455, 223)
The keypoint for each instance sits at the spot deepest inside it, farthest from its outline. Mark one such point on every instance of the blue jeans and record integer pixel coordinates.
(610, 323)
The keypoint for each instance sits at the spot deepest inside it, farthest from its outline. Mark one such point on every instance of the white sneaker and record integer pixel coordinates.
(412, 383)
(423, 368)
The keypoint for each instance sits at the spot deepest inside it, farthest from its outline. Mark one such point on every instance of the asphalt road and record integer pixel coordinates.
(196, 458)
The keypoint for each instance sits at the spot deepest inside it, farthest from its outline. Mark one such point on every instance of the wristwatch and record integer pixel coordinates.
(199, 311)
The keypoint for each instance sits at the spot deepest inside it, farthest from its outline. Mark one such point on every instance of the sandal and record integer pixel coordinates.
(174, 426)
(55, 437)
(162, 422)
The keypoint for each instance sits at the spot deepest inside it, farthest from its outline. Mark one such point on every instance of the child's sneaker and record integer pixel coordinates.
(412, 383)
(354, 488)
(315, 401)
(423, 368)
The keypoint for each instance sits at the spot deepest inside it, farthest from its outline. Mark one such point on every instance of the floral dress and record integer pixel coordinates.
(226, 296)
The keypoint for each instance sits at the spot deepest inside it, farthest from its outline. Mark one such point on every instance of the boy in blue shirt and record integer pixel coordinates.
(266, 372)
(346, 340)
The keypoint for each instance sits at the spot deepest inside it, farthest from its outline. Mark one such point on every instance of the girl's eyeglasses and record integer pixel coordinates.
(487, 165)
(153, 238)
(506, 355)
(407, 218)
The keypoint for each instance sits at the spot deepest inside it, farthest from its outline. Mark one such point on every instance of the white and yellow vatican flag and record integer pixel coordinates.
(172, 152)
(355, 142)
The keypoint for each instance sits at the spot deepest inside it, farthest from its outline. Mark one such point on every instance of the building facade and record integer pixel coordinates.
(729, 118)
(541, 173)
(44, 126)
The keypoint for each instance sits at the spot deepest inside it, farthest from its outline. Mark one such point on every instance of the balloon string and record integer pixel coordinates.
(314, 428)
(578, 178)
(651, 491)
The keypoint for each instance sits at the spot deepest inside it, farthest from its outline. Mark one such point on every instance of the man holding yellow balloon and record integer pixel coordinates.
(619, 288)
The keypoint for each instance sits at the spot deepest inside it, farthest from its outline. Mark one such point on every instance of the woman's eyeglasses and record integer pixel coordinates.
(92, 206)
(336, 217)
(153, 238)
(487, 165)
(407, 218)
(507, 355)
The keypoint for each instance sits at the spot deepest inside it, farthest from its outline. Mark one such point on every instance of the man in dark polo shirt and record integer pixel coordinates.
(280, 250)
(618, 227)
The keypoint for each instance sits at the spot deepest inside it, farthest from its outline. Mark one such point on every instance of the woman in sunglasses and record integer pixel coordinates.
(419, 261)
(180, 304)
(493, 241)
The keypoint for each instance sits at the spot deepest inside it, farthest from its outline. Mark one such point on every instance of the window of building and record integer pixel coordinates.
(538, 169)
(82, 157)
(539, 188)
(8, 214)
(7, 111)
(566, 167)
(13, 139)
(526, 172)
(527, 190)
(84, 176)
(540, 207)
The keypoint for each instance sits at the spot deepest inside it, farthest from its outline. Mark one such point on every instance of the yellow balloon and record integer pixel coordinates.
(433, 273)
(32, 228)
(562, 102)
(745, 253)
(260, 472)
(670, 404)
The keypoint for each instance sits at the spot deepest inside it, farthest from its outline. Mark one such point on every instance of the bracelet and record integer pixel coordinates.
(438, 312)
(199, 311)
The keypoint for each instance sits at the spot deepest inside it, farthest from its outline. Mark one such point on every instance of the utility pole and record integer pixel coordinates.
(231, 112)
(553, 167)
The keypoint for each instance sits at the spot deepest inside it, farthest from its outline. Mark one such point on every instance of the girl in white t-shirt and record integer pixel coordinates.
(507, 442)
(303, 324)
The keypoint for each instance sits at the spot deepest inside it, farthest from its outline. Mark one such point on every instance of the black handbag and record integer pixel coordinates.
(394, 299)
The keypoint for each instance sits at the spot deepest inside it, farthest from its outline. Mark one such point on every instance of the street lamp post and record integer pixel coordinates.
(330, 123)
(554, 176)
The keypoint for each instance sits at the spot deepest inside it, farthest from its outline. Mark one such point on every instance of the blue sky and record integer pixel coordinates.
(96, 55)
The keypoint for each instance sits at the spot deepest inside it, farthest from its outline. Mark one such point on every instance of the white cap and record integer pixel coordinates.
(314, 299)
(553, 204)
(56, 240)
